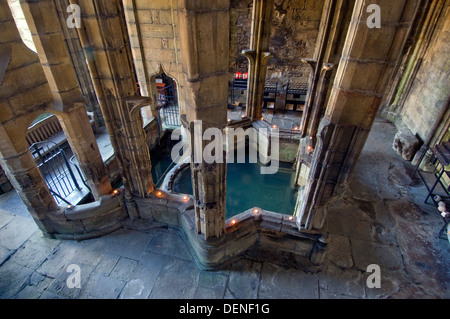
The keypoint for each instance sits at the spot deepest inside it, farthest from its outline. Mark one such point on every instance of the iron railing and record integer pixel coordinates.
(56, 170)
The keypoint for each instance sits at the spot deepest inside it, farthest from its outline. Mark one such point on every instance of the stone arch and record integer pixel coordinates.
(154, 91)
(24, 174)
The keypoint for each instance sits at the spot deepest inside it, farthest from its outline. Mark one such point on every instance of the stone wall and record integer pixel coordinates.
(430, 89)
(294, 34)
(295, 28)
(155, 45)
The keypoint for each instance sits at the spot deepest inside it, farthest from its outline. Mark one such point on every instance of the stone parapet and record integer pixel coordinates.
(248, 234)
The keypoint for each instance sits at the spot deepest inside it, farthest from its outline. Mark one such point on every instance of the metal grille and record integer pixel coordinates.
(169, 112)
(55, 168)
(170, 116)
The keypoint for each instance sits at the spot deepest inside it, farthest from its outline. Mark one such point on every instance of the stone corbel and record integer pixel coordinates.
(250, 55)
(265, 56)
(135, 104)
(311, 62)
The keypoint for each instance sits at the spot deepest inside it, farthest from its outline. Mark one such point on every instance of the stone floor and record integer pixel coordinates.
(381, 220)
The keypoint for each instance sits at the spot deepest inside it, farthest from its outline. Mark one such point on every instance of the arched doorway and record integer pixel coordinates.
(167, 95)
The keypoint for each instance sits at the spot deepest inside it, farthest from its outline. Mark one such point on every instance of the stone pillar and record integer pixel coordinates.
(104, 40)
(69, 103)
(204, 40)
(78, 59)
(19, 105)
(78, 130)
(258, 56)
(365, 67)
(334, 24)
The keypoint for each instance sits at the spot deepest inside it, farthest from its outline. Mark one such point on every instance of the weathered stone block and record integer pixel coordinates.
(405, 143)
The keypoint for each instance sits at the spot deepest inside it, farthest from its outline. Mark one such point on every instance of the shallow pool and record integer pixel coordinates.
(247, 188)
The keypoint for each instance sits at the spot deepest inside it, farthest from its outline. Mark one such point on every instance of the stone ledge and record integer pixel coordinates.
(89, 220)
(245, 234)
(248, 234)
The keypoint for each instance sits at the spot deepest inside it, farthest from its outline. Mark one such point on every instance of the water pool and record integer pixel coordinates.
(247, 188)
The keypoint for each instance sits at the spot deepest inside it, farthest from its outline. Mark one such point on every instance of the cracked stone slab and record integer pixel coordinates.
(144, 277)
(178, 280)
(12, 278)
(100, 286)
(280, 283)
(244, 280)
(347, 282)
(16, 232)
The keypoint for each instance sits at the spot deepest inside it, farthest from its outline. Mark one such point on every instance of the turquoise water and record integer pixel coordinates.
(161, 164)
(247, 188)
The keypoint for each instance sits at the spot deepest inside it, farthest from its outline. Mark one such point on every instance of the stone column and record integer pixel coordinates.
(334, 24)
(78, 130)
(204, 40)
(78, 59)
(19, 105)
(258, 56)
(104, 40)
(366, 65)
(69, 103)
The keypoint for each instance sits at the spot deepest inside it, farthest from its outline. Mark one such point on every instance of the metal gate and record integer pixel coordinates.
(54, 166)
(169, 112)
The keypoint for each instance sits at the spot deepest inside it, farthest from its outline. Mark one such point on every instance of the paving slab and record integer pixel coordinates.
(123, 270)
(281, 283)
(58, 260)
(16, 232)
(4, 254)
(35, 288)
(178, 280)
(31, 255)
(347, 282)
(169, 243)
(127, 243)
(144, 276)
(13, 278)
(100, 286)
(13, 204)
(388, 257)
(244, 280)
(5, 218)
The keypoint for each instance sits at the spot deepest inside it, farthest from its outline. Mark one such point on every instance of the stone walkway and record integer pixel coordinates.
(381, 220)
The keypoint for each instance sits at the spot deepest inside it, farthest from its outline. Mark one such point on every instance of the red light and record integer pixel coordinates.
(239, 75)
(245, 75)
